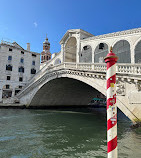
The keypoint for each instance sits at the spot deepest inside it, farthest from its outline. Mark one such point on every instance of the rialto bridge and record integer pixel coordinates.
(78, 73)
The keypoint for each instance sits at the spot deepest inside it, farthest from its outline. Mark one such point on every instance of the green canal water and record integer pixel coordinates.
(62, 134)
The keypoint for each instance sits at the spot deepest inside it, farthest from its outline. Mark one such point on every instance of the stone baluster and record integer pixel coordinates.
(119, 67)
(130, 69)
(76, 66)
(135, 69)
(139, 70)
(125, 69)
(64, 65)
(92, 66)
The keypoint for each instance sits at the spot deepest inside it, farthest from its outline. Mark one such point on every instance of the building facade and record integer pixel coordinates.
(17, 66)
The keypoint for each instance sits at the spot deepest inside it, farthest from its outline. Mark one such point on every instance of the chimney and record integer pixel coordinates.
(28, 46)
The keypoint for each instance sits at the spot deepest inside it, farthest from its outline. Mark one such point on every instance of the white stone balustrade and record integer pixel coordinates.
(133, 69)
(121, 68)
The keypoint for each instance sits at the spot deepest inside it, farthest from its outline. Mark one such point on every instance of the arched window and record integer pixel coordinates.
(47, 57)
(44, 57)
(33, 71)
(70, 50)
(122, 50)
(9, 67)
(138, 52)
(86, 55)
(100, 53)
(21, 69)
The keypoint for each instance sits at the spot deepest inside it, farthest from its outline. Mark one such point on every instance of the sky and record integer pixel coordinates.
(28, 21)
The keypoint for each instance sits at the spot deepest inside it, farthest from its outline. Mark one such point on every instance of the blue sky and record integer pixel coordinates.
(26, 21)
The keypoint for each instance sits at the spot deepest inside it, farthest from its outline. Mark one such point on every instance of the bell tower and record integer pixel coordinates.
(45, 54)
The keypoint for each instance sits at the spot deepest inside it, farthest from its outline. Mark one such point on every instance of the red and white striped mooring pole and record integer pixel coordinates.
(111, 60)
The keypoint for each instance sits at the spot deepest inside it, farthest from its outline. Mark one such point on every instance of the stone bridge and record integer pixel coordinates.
(77, 73)
(76, 84)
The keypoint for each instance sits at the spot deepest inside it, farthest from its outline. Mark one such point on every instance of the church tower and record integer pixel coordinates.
(45, 55)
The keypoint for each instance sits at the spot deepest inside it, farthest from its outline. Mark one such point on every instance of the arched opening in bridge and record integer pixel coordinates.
(100, 53)
(65, 92)
(138, 52)
(122, 50)
(86, 54)
(70, 50)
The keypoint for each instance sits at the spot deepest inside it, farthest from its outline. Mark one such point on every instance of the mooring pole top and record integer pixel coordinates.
(111, 56)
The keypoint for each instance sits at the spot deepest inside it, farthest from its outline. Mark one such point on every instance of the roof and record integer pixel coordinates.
(16, 45)
(119, 33)
(46, 41)
(75, 31)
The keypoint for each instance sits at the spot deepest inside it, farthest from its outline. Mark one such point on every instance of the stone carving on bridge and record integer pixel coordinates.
(120, 89)
(138, 85)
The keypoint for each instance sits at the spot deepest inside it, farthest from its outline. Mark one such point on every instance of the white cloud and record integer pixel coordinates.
(35, 24)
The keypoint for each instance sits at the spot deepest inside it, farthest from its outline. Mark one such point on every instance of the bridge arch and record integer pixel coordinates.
(122, 49)
(137, 52)
(100, 52)
(66, 91)
(86, 54)
(70, 50)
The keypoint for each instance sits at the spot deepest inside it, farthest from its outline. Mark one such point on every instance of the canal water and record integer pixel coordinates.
(62, 134)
